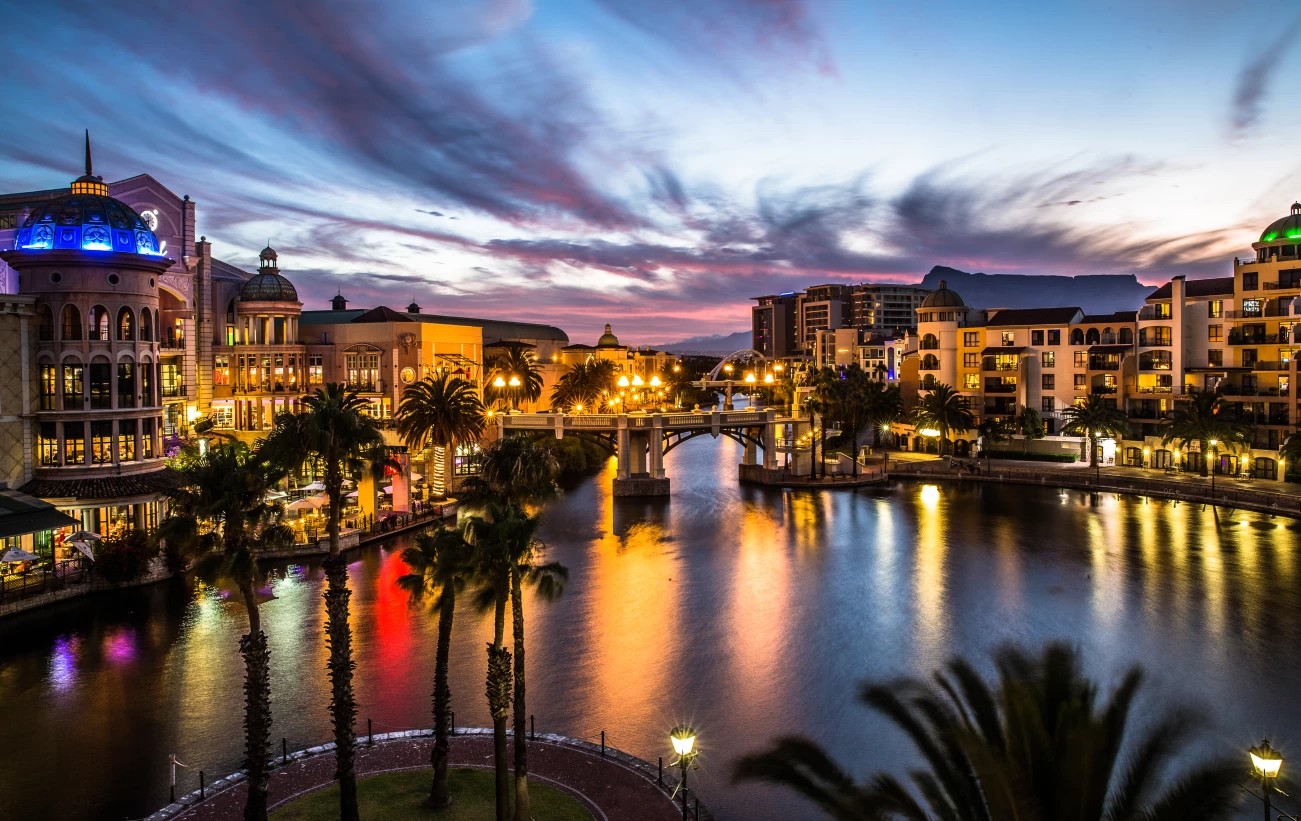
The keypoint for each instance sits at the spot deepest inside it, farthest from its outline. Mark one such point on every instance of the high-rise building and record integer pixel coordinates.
(788, 324)
(890, 310)
(772, 325)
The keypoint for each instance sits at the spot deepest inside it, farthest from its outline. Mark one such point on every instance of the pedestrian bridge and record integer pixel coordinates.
(640, 440)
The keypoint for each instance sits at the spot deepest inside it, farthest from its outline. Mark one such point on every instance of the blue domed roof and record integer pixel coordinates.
(87, 219)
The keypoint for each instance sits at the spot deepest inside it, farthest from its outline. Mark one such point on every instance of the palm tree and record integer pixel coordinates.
(513, 470)
(943, 410)
(1204, 419)
(1034, 744)
(1092, 418)
(586, 385)
(823, 400)
(517, 364)
(335, 429)
(441, 563)
(221, 507)
(443, 411)
(1290, 452)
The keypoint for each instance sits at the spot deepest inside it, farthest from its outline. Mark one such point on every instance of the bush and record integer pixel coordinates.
(577, 456)
(124, 559)
(1031, 456)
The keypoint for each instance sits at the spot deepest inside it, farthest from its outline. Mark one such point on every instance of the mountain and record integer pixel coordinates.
(1095, 294)
(738, 341)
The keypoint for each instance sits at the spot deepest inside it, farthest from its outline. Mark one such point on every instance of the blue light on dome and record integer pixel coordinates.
(88, 222)
(96, 238)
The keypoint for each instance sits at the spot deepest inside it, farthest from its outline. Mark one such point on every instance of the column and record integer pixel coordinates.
(751, 452)
(657, 447)
(625, 447)
(770, 440)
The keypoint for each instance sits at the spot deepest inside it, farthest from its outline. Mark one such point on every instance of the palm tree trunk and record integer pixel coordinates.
(1202, 457)
(439, 794)
(257, 707)
(499, 693)
(855, 451)
(823, 435)
(343, 702)
(523, 808)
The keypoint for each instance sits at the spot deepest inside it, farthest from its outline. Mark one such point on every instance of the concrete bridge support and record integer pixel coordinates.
(641, 456)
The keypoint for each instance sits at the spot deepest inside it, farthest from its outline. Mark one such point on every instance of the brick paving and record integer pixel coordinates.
(616, 787)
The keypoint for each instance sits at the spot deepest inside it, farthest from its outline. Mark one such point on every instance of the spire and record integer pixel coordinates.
(88, 172)
(89, 183)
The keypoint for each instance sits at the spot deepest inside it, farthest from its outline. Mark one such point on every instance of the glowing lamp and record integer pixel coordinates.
(1265, 760)
(677, 368)
(684, 741)
(655, 381)
(929, 432)
(728, 367)
(636, 380)
(192, 413)
(499, 382)
(1215, 442)
(578, 408)
(514, 381)
(623, 382)
(749, 377)
(777, 367)
(767, 378)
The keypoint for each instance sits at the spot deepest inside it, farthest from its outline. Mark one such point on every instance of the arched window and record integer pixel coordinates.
(99, 324)
(146, 325)
(71, 323)
(126, 325)
(1091, 338)
(1077, 337)
(930, 343)
(929, 382)
(126, 383)
(930, 362)
(45, 322)
(1126, 336)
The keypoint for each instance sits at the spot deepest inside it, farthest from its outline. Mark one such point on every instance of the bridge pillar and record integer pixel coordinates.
(635, 477)
(770, 440)
(625, 447)
(751, 450)
(656, 446)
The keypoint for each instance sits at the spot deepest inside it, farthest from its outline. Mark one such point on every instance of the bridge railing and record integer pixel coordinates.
(531, 420)
(592, 420)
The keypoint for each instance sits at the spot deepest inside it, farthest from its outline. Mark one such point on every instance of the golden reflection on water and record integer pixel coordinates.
(930, 584)
(759, 612)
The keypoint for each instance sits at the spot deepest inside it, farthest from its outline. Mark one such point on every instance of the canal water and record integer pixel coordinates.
(748, 612)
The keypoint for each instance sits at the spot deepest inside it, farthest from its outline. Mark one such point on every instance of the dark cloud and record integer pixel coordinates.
(430, 213)
(1255, 78)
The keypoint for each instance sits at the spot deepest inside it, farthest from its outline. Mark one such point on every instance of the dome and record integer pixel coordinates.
(87, 219)
(1287, 228)
(607, 340)
(942, 297)
(268, 287)
(268, 254)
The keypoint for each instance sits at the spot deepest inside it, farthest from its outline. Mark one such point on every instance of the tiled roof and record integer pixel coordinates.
(1216, 286)
(105, 487)
(1118, 316)
(1032, 316)
(382, 314)
(508, 343)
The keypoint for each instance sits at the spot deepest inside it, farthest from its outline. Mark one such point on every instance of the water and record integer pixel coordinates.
(750, 612)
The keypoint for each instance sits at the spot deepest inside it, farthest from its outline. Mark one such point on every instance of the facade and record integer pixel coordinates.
(822, 308)
(772, 326)
(643, 362)
(788, 325)
(890, 310)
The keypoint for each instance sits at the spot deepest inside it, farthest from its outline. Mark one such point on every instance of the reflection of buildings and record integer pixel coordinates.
(123, 331)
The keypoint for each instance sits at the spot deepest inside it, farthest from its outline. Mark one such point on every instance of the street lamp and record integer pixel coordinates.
(514, 381)
(636, 380)
(655, 381)
(499, 382)
(767, 379)
(623, 382)
(1211, 459)
(684, 744)
(1266, 762)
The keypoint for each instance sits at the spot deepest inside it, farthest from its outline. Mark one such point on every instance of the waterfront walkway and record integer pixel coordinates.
(612, 785)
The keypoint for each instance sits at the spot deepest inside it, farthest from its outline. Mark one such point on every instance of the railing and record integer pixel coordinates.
(1104, 364)
(990, 367)
(174, 390)
(1147, 413)
(171, 344)
(1149, 312)
(1153, 366)
(1268, 365)
(928, 367)
(1000, 388)
(19, 585)
(1281, 309)
(1154, 389)
(590, 420)
(1279, 286)
(1236, 338)
(929, 346)
(1107, 389)
(1233, 390)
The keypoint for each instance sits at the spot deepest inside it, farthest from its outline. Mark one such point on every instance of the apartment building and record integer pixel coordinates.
(787, 325)
(822, 308)
(889, 310)
(772, 325)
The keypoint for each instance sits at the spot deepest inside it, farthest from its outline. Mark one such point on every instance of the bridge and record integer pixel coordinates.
(640, 439)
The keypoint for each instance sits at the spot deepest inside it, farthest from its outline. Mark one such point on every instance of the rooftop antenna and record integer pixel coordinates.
(87, 152)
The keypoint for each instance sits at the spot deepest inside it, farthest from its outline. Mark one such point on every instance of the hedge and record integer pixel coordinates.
(1031, 456)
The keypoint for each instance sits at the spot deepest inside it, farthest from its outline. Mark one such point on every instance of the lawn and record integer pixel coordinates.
(400, 797)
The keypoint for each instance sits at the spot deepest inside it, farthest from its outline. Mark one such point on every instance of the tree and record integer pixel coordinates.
(993, 430)
(1204, 419)
(854, 404)
(441, 563)
(513, 470)
(586, 386)
(443, 411)
(1032, 427)
(219, 514)
(1290, 452)
(1092, 418)
(520, 365)
(822, 401)
(334, 428)
(1034, 744)
(943, 409)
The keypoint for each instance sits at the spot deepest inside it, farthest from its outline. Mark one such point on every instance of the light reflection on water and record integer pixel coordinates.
(749, 612)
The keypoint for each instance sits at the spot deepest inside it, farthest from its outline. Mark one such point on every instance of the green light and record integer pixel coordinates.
(1294, 233)
(1270, 237)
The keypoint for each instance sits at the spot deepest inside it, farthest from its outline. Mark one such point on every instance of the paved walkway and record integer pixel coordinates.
(616, 787)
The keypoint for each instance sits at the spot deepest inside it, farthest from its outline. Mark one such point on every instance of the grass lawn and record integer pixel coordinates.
(400, 797)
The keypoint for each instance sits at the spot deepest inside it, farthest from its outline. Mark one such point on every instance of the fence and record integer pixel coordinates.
(16, 586)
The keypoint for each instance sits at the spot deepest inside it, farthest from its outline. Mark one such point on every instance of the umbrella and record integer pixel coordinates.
(416, 477)
(352, 495)
(17, 554)
(276, 494)
(315, 486)
(388, 489)
(84, 536)
(303, 504)
(85, 549)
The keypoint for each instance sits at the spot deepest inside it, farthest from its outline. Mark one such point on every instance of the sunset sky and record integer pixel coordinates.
(654, 164)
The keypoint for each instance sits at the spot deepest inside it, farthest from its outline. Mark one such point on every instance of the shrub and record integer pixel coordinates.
(1031, 456)
(576, 456)
(125, 558)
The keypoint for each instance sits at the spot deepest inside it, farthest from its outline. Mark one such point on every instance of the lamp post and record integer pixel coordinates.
(684, 744)
(1211, 458)
(727, 403)
(1266, 762)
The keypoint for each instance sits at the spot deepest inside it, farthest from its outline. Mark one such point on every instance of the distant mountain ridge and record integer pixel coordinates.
(717, 343)
(1094, 293)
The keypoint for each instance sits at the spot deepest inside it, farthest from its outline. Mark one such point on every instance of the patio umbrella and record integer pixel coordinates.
(315, 486)
(416, 477)
(276, 494)
(17, 554)
(84, 536)
(388, 489)
(352, 495)
(303, 504)
(85, 549)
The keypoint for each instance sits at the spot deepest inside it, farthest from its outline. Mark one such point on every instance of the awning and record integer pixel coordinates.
(1111, 349)
(1009, 350)
(21, 514)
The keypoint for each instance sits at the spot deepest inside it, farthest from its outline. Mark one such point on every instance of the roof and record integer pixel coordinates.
(579, 346)
(1216, 286)
(942, 297)
(1118, 316)
(1110, 349)
(508, 343)
(105, 487)
(382, 313)
(268, 286)
(1010, 349)
(1032, 316)
(492, 328)
(21, 514)
(1284, 229)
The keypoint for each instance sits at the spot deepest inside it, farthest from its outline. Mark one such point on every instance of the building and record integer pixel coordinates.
(822, 308)
(772, 326)
(889, 310)
(644, 362)
(787, 325)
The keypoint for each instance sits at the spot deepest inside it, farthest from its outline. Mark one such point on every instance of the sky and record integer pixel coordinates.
(656, 164)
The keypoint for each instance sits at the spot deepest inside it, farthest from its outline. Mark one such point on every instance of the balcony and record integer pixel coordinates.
(1105, 389)
(990, 366)
(1153, 366)
(1237, 338)
(1155, 389)
(998, 387)
(1152, 312)
(1268, 365)
(1275, 309)
(1147, 413)
(1149, 342)
(1235, 390)
(1104, 363)
(929, 346)
(170, 391)
(1285, 285)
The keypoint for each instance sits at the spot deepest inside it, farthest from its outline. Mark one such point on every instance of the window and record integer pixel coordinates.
(1081, 359)
(1214, 333)
(73, 386)
(172, 380)
(48, 443)
(1049, 381)
(101, 442)
(1048, 359)
(1036, 337)
(1080, 380)
(466, 460)
(1126, 336)
(71, 323)
(1048, 404)
(147, 438)
(315, 369)
(1250, 282)
(363, 370)
(126, 325)
(126, 440)
(1054, 337)
(126, 385)
(1077, 337)
(1215, 308)
(1215, 357)
(971, 360)
(74, 443)
(971, 381)
(971, 339)
(45, 323)
(223, 416)
(147, 385)
(101, 385)
(1157, 335)
(99, 324)
(1092, 337)
(221, 370)
(1009, 338)
(49, 386)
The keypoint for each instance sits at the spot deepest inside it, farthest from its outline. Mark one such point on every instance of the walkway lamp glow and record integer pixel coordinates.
(578, 408)
(655, 381)
(623, 382)
(929, 432)
(767, 379)
(1266, 763)
(1211, 464)
(684, 744)
(677, 368)
(728, 368)
(777, 367)
(514, 381)
(499, 382)
(749, 377)
(636, 380)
